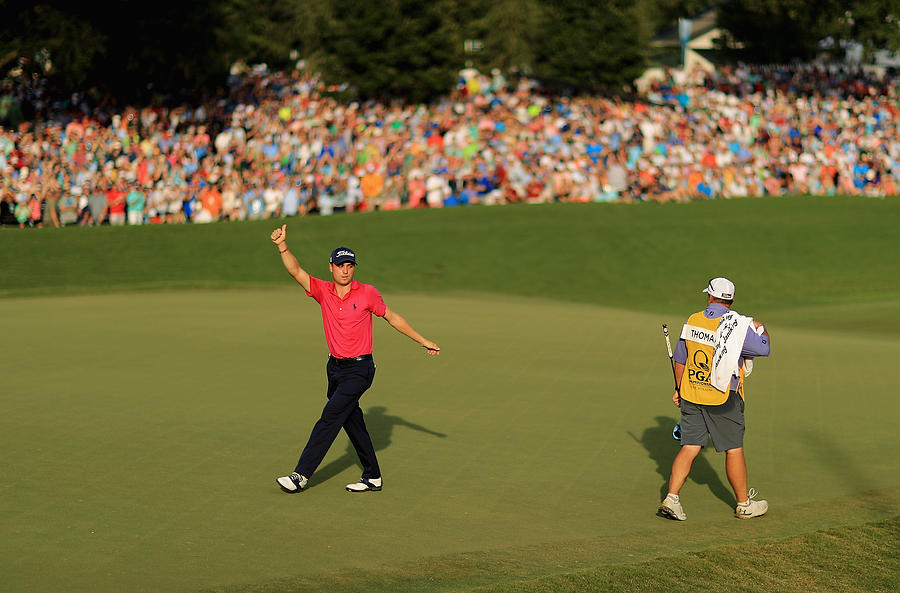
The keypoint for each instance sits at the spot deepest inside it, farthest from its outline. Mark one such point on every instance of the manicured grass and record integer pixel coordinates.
(818, 251)
(143, 428)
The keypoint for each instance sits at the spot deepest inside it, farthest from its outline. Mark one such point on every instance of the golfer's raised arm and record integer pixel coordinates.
(402, 325)
(279, 238)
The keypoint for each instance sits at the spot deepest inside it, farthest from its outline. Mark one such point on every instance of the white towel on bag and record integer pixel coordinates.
(727, 350)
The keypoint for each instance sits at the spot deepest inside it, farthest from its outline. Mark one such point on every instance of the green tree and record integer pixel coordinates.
(874, 23)
(391, 49)
(173, 47)
(266, 30)
(68, 44)
(314, 24)
(783, 30)
(509, 30)
(134, 48)
(777, 30)
(587, 46)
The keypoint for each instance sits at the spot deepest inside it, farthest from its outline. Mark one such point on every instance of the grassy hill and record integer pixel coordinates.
(819, 251)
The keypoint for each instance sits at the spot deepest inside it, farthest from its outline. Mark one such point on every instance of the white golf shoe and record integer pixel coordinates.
(751, 508)
(293, 483)
(671, 508)
(365, 485)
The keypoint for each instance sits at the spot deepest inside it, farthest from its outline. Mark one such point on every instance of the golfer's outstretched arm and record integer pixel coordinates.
(279, 238)
(401, 325)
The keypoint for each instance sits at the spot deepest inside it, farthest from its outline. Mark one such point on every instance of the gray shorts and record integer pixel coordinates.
(725, 423)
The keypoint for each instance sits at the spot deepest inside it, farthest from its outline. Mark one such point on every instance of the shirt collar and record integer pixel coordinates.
(714, 310)
(354, 285)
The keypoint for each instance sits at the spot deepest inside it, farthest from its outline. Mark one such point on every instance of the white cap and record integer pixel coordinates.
(721, 288)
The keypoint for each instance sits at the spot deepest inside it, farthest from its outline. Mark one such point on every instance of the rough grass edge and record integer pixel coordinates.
(863, 558)
(848, 559)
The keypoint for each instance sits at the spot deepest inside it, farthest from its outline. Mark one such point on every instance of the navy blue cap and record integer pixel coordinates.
(342, 255)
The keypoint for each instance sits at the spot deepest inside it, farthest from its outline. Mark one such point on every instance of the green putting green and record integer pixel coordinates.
(142, 431)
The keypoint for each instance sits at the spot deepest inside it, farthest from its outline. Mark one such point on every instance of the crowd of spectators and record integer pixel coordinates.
(284, 144)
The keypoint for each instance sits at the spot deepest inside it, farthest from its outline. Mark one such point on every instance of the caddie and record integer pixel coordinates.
(712, 358)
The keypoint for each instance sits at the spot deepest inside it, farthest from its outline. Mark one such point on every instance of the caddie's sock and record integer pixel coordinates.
(674, 497)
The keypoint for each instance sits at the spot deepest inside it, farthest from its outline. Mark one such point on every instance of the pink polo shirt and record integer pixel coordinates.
(348, 320)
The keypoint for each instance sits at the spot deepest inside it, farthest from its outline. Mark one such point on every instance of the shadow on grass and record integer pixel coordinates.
(662, 448)
(381, 428)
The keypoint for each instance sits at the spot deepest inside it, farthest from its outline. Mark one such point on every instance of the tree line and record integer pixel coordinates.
(406, 49)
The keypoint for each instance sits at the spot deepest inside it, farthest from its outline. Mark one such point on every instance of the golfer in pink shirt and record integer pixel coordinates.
(347, 309)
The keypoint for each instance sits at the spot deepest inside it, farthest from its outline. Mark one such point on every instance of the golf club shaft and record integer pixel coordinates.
(671, 357)
(676, 432)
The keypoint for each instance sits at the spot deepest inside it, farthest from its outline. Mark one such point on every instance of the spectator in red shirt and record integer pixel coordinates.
(116, 199)
(347, 308)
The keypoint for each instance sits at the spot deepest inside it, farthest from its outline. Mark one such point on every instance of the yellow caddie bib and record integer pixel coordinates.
(699, 335)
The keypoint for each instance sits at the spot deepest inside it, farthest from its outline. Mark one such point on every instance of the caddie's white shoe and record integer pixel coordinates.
(751, 508)
(671, 508)
(293, 483)
(365, 485)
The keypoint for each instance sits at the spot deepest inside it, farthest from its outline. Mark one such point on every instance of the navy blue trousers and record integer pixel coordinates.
(347, 381)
